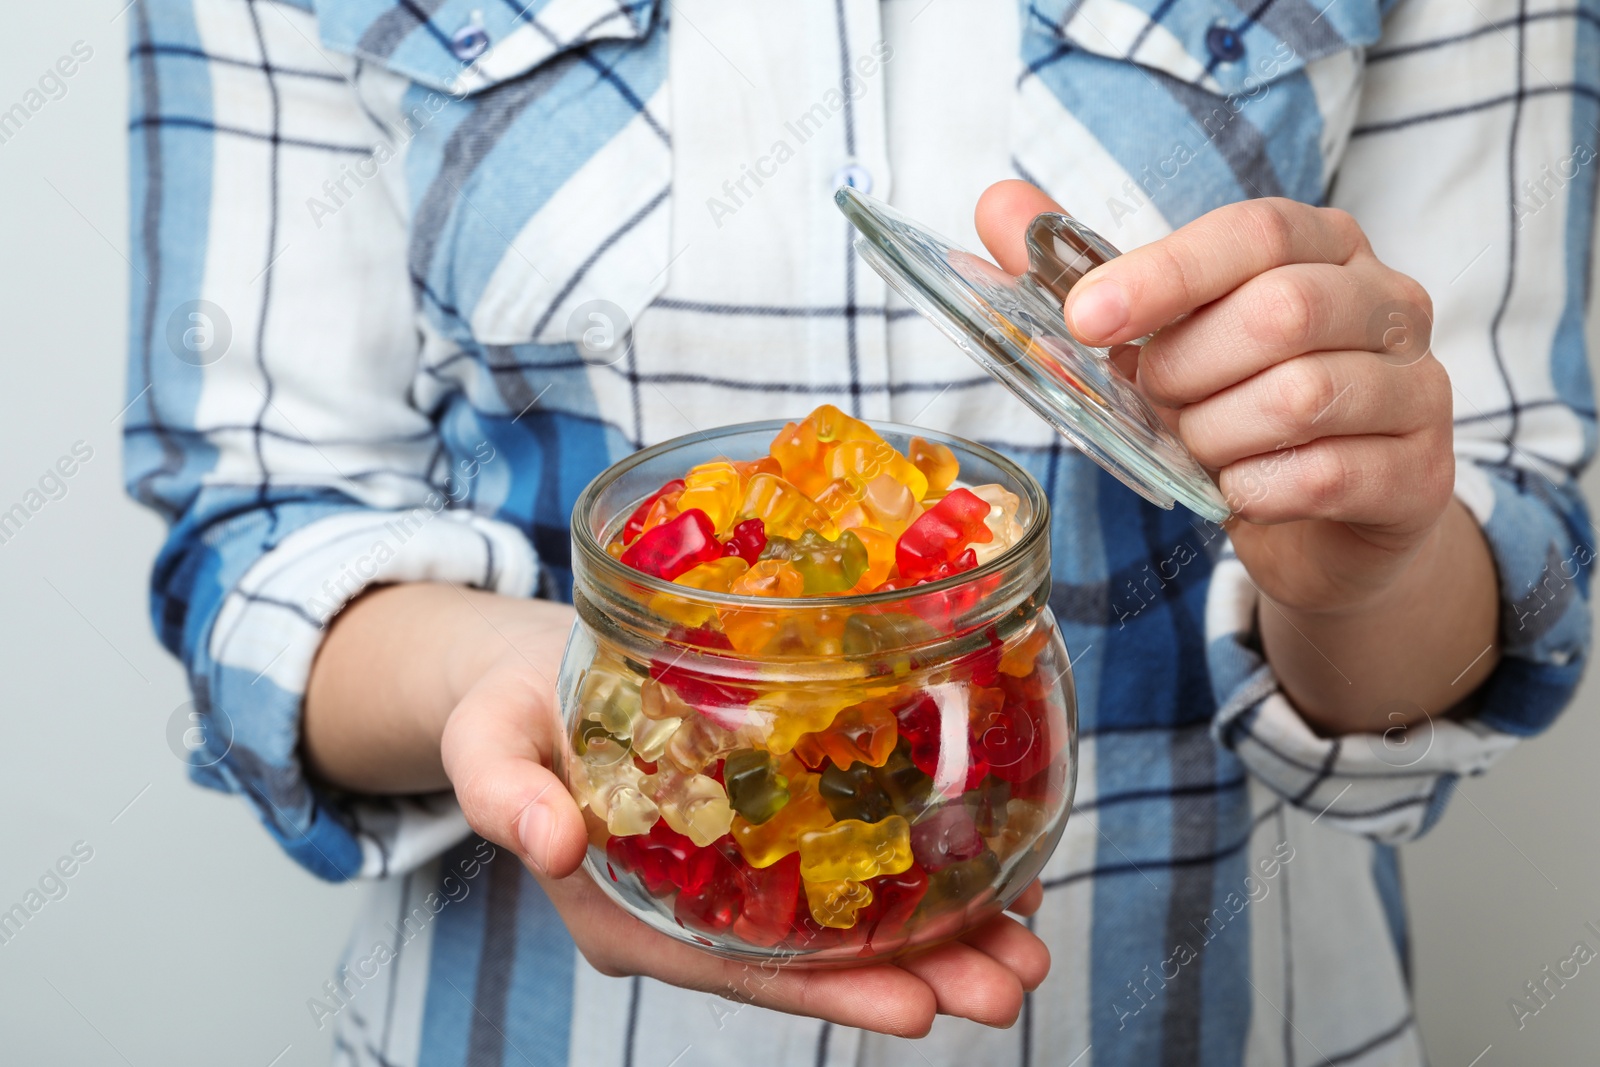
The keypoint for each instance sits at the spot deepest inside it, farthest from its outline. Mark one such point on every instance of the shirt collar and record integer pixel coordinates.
(463, 46)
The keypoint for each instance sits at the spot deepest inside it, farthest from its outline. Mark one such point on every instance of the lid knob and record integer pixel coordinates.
(1061, 250)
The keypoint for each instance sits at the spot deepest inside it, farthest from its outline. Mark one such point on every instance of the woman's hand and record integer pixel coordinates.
(498, 747)
(1297, 367)
(426, 686)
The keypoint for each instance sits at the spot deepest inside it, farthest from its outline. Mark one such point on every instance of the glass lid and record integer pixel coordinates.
(1014, 329)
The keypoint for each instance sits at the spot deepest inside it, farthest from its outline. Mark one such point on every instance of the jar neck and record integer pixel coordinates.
(834, 638)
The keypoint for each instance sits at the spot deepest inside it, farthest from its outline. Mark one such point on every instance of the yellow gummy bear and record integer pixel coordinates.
(766, 844)
(716, 489)
(856, 850)
(717, 576)
(796, 711)
(858, 462)
(784, 509)
(836, 903)
(936, 462)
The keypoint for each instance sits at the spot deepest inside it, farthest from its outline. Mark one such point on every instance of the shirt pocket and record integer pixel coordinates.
(1186, 104)
(538, 163)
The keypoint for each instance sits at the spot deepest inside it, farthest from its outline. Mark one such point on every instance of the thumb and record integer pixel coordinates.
(497, 751)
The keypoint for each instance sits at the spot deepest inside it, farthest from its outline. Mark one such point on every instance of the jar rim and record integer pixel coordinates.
(594, 552)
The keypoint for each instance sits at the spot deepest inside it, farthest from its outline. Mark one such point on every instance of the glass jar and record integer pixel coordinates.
(819, 779)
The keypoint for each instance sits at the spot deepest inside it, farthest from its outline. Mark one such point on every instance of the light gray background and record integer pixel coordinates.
(188, 939)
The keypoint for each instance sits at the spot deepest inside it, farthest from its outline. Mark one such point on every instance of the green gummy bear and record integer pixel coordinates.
(755, 788)
(827, 566)
(872, 794)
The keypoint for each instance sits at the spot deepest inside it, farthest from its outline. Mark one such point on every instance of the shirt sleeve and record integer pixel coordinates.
(1472, 166)
(272, 419)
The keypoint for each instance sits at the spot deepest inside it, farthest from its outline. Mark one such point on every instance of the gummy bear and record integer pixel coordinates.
(880, 558)
(751, 630)
(942, 533)
(675, 547)
(889, 506)
(921, 724)
(1001, 520)
(960, 882)
(697, 742)
(842, 502)
(1018, 658)
(606, 780)
(855, 850)
(746, 541)
(783, 508)
(714, 488)
(858, 462)
(714, 906)
(692, 804)
(615, 700)
(755, 788)
(771, 577)
(894, 899)
(664, 860)
(635, 524)
(1013, 738)
(1024, 819)
(716, 576)
(865, 733)
(779, 836)
(751, 467)
(871, 794)
(770, 896)
(797, 710)
(825, 566)
(945, 835)
(610, 696)
(835, 903)
(936, 462)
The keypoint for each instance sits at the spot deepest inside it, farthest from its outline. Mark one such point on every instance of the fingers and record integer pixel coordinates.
(1370, 480)
(1002, 216)
(968, 983)
(1275, 316)
(1148, 287)
(881, 997)
(1325, 394)
(496, 749)
(1014, 947)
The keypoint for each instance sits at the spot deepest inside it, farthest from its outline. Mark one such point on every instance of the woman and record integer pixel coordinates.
(417, 272)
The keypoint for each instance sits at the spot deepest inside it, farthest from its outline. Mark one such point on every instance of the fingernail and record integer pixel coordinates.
(1099, 311)
(533, 830)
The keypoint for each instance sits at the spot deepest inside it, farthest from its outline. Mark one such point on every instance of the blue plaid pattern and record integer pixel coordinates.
(393, 213)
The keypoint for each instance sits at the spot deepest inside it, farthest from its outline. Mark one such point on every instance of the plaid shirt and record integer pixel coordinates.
(367, 233)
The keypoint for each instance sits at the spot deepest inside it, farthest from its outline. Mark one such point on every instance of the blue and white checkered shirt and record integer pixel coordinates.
(367, 233)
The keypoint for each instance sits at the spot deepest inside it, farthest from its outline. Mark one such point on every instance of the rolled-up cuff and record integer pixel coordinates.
(1390, 786)
(260, 651)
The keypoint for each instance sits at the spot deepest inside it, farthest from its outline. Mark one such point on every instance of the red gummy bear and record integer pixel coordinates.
(635, 524)
(664, 860)
(675, 547)
(770, 897)
(746, 541)
(941, 533)
(919, 726)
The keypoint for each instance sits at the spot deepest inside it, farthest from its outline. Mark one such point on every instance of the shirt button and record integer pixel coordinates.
(855, 176)
(469, 42)
(1224, 44)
